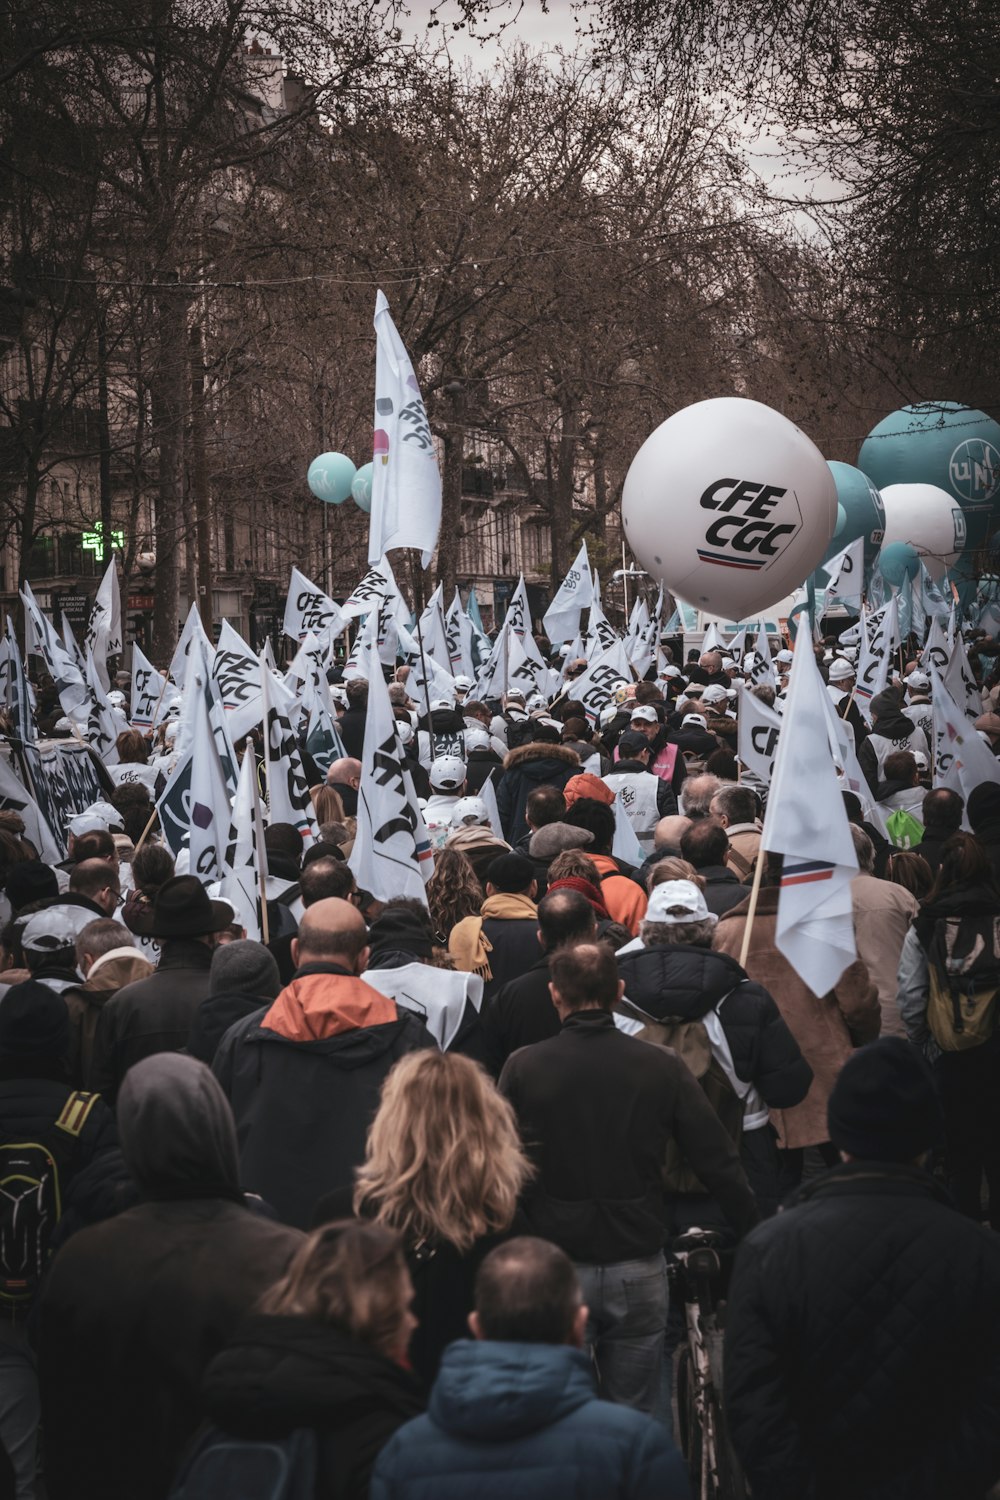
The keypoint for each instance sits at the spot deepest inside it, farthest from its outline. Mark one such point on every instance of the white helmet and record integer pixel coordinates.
(447, 774)
(468, 811)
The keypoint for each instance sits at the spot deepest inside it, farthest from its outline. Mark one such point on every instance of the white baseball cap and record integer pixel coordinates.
(677, 901)
(698, 719)
(644, 714)
(56, 926)
(728, 665)
(476, 739)
(840, 670)
(468, 811)
(447, 773)
(405, 731)
(442, 702)
(714, 693)
(116, 699)
(917, 682)
(671, 671)
(785, 656)
(463, 684)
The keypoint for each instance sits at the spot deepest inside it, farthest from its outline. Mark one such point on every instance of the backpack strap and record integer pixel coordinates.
(75, 1113)
(741, 862)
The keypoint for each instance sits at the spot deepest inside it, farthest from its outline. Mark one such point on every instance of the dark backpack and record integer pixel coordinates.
(31, 1202)
(964, 973)
(221, 1467)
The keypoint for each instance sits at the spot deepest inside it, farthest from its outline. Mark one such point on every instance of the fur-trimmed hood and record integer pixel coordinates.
(534, 750)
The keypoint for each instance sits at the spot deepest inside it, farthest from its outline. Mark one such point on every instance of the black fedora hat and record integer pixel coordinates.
(182, 908)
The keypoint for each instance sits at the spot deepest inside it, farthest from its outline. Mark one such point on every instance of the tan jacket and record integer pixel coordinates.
(882, 916)
(744, 842)
(826, 1027)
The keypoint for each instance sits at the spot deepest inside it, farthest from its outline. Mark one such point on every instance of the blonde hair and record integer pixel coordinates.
(672, 867)
(443, 1159)
(352, 1276)
(570, 864)
(327, 806)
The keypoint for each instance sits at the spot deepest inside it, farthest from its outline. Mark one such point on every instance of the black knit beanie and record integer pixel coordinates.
(884, 1105)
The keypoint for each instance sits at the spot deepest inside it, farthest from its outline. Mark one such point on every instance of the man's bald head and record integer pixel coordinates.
(668, 833)
(332, 932)
(344, 772)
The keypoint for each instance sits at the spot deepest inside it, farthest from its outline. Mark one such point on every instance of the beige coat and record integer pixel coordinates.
(744, 841)
(882, 916)
(826, 1027)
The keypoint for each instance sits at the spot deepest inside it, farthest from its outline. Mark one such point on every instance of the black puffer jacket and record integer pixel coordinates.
(686, 982)
(861, 1360)
(282, 1373)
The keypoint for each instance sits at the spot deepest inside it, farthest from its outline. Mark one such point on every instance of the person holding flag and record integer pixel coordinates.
(795, 932)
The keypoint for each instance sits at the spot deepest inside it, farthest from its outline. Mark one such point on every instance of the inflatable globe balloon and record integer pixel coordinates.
(729, 505)
(898, 560)
(841, 521)
(330, 477)
(929, 519)
(361, 489)
(862, 506)
(940, 442)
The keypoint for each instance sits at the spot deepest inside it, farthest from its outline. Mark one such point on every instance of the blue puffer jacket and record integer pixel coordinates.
(523, 1420)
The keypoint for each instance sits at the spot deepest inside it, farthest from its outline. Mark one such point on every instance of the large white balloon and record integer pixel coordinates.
(730, 505)
(929, 519)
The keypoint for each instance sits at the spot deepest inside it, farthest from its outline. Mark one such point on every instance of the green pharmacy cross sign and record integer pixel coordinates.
(93, 541)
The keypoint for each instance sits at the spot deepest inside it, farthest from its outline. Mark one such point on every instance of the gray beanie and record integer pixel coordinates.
(244, 968)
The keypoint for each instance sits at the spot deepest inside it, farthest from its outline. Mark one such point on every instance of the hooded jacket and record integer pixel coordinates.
(845, 1319)
(283, 1373)
(84, 1002)
(304, 1083)
(891, 730)
(153, 1015)
(134, 1308)
(524, 1419)
(530, 766)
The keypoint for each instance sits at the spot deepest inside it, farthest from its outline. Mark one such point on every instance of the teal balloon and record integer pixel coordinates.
(863, 511)
(943, 443)
(898, 561)
(361, 489)
(330, 477)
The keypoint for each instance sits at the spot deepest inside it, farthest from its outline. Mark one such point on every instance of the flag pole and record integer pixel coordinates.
(754, 893)
(145, 831)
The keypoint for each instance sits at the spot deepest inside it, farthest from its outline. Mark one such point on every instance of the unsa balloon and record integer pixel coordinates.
(730, 505)
(929, 519)
(864, 515)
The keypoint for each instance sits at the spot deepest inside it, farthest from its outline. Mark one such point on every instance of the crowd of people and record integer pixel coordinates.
(384, 1206)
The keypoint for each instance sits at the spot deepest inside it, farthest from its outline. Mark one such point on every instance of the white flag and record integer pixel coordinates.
(959, 680)
(518, 610)
(194, 631)
(372, 588)
(846, 573)
(15, 798)
(737, 647)
(713, 640)
(492, 679)
(877, 651)
(210, 807)
(308, 609)
(245, 868)
(150, 692)
(60, 665)
(101, 731)
(961, 759)
(606, 672)
(807, 823)
(757, 736)
(936, 653)
(406, 480)
(288, 799)
(561, 620)
(603, 634)
(758, 665)
(104, 631)
(392, 850)
(237, 675)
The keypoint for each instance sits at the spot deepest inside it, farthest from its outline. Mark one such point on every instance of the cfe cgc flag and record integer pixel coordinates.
(757, 737)
(806, 823)
(392, 853)
(245, 865)
(561, 620)
(406, 480)
(605, 673)
(308, 609)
